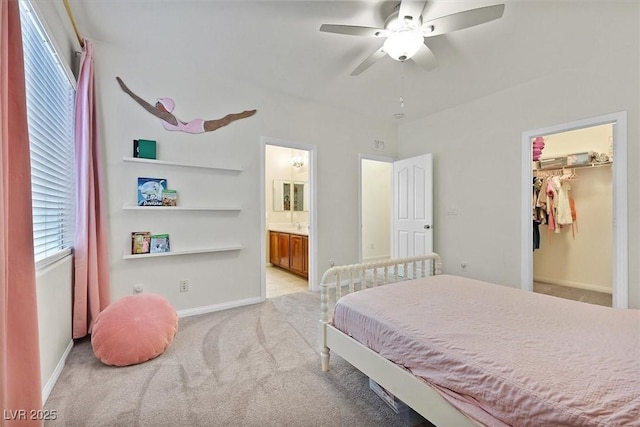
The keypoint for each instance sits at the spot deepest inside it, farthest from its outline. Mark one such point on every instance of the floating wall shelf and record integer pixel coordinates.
(186, 165)
(187, 252)
(229, 208)
(181, 208)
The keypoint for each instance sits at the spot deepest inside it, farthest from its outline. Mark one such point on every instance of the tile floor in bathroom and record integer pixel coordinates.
(280, 282)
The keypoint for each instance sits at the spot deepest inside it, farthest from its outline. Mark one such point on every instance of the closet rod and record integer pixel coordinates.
(563, 168)
(556, 171)
(73, 22)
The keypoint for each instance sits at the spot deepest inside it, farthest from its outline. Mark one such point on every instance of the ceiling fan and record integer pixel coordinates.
(406, 30)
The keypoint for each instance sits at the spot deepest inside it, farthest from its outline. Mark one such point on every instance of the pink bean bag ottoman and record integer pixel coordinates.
(134, 329)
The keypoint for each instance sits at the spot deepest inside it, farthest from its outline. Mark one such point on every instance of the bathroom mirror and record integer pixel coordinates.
(300, 196)
(281, 195)
(289, 195)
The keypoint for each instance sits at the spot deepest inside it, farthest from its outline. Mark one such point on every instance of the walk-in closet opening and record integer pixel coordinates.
(572, 212)
(592, 254)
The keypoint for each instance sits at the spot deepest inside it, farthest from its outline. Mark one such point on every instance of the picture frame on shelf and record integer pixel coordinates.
(150, 191)
(169, 198)
(160, 243)
(140, 242)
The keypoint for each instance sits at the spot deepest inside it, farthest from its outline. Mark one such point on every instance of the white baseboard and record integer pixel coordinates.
(218, 307)
(578, 285)
(46, 391)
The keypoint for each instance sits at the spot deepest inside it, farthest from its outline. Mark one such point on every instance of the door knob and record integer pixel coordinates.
(426, 227)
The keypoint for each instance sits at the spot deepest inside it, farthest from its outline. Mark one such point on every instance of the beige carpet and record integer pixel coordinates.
(250, 366)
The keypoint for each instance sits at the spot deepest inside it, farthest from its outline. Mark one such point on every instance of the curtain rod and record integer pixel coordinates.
(73, 23)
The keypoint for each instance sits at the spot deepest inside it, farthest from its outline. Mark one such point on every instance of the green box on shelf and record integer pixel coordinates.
(144, 148)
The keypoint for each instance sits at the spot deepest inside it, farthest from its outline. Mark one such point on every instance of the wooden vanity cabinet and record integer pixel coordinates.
(273, 248)
(283, 250)
(296, 259)
(305, 251)
(289, 251)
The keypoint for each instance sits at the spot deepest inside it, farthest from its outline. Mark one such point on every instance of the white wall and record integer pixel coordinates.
(477, 151)
(53, 290)
(223, 277)
(580, 256)
(376, 210)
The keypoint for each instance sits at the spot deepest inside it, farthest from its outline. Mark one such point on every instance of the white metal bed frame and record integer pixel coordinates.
(413, 391)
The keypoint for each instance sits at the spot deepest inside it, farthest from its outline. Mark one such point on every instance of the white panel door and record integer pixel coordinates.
(412, 233)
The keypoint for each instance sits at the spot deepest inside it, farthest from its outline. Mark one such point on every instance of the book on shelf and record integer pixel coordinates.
(150, 191)
(160, 243)
(140, 242)
(169, 198)
(144, 148)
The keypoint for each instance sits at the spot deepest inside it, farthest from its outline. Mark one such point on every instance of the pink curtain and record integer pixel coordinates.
(20, 388)
(91, 261)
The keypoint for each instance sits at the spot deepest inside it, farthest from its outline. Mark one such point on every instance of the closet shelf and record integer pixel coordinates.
(185, 252)
(590, 165)
(181, 208)
(186, 165)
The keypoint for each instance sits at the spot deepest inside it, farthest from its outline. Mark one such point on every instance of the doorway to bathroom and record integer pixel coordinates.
(288, 204)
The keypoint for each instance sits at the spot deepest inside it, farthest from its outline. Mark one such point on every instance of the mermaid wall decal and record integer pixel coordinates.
(163, 109)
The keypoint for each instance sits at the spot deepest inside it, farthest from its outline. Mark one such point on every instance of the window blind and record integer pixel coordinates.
(50, 116)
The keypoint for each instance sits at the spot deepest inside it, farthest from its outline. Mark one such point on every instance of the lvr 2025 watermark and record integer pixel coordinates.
(29, 414)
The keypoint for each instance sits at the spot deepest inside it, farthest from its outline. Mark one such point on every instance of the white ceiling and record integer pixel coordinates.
(278, 45)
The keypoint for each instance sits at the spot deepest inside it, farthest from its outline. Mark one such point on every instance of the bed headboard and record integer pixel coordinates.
(346, 279)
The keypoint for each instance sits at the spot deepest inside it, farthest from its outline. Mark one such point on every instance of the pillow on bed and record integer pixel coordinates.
(134, 329)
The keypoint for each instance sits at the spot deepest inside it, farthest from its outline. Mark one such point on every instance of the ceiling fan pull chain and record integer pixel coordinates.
(402, 87)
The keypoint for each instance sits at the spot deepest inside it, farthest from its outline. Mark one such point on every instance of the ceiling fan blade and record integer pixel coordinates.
(353, 30)
(372, 59)
(460, 20)
(411, 8)
(425, 58)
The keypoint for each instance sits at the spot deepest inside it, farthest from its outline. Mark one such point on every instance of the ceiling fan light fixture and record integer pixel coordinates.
(403, 43)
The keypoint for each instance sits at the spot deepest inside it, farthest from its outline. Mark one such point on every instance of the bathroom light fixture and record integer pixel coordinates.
(297, 162)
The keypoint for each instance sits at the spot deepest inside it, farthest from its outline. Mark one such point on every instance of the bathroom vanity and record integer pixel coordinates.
(289, 249)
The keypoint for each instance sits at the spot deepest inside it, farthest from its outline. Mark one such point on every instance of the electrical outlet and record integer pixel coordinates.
(332, 263)
(138, 288)
(184, 285)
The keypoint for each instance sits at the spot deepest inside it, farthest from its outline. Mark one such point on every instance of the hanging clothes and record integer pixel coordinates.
(538, 210)
(562, 206)
(536, 235)
(539, 201)
(551, 196)
(574, 217)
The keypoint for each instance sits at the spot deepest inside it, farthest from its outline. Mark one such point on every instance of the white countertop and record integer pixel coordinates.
(289, 228)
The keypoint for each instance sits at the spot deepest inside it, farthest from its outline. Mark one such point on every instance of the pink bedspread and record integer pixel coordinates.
(502, 355)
